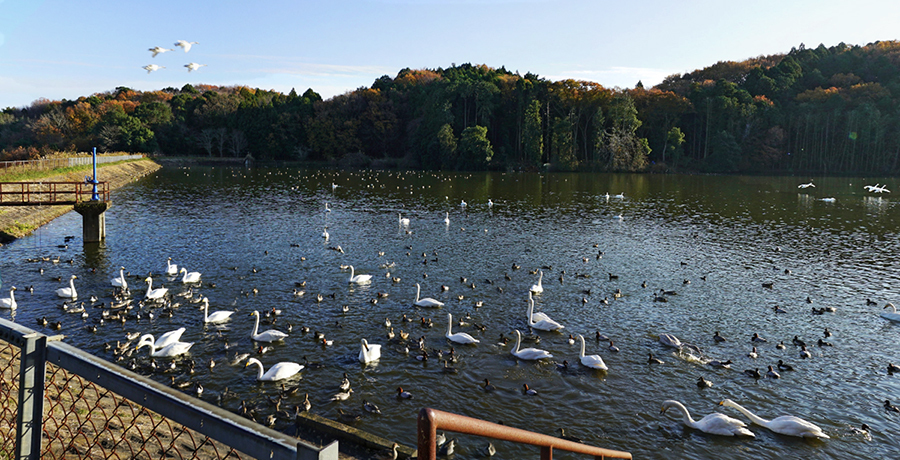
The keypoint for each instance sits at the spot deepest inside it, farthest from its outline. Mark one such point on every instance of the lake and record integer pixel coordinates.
(718, 242)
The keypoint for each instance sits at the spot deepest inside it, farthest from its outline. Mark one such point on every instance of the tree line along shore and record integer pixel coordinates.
(810, 110)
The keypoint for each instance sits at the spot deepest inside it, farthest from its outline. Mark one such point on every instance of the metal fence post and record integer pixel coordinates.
(29, 421)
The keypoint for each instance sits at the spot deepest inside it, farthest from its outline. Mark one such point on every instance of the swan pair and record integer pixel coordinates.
(167, 345)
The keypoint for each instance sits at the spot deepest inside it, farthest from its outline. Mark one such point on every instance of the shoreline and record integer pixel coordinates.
(19, 221)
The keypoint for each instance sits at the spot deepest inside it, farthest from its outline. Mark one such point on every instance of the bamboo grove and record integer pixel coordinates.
(826, 110)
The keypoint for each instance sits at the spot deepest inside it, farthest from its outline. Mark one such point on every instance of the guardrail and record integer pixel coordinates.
(50, 193)
(430, 420)
(90, 408)
(53, 163)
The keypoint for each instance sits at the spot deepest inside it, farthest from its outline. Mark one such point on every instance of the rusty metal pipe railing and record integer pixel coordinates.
(430, 420)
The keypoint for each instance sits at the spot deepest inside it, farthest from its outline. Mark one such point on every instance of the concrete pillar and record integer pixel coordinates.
(93, 220)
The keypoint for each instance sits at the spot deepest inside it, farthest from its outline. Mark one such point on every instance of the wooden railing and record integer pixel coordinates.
(430, 420)
(50, 193)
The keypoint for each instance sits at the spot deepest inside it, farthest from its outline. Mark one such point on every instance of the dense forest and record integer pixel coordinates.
(825, 110)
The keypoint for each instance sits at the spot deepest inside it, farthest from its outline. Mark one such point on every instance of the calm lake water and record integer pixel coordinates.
(714, 239)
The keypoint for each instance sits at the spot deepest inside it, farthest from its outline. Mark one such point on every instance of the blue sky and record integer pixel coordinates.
(59, 49)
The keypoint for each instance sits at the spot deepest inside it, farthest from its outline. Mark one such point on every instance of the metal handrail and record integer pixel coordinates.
(200, 416)
(430, 420)
(50, 193)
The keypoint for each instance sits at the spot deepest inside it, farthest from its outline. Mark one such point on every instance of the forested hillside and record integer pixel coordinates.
(828, 110)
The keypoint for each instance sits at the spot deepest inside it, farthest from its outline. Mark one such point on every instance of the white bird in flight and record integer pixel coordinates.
(193, 66)
(807, 185)
(159, 49)
(185, 44)
(152, 67)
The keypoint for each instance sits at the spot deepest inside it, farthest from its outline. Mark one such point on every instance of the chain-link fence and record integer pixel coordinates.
(88, 410)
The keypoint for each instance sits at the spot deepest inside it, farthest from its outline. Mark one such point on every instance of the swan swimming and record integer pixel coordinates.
(400, 219)
(189, 277)
(538, 288)
(459, 337)
(217, 317)
(166, 339)
(69, 292)
(427, 302)
(892, 315)
(173, 349)
(592, 361)
(9, 303)
(280, 371)
(369, 353)
(715, 423)
(529, 354)
(447, 218)
(120, 280)
(270, 335)
(171, 269)
(786, 424)
(358, 279)
(539, 316)
(154, 294)
(544, 324)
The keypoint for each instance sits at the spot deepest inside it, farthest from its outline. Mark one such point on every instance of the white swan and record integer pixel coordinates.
(401, 220)
(530, 354)
(427, 302)
(280, 371)
(358, 279)
(159, 49)
(270, 335)
(152, 67)
(166, 339)
(325, 234)
(544, 324)
(670, 340)
(714, 423)
(154, 294)
(120, 280)
(539, 316)
(173, 349)
(185, 44)
(194, 66)
(786, 424)
(189, 277)
(447, 218)
(592, 361)
(807, 185)
(69, 292)
(171, 269)
(459, 337)
(538, 288)
(217, 317)
(10, 302)
(369, 353)
(892, 315)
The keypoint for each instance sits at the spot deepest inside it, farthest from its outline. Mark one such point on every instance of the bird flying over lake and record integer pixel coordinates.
(808, 185)
(152, 67)
(193, 66)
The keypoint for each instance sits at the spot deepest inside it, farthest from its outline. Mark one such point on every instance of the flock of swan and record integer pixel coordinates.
(183, 44)
(877, 188)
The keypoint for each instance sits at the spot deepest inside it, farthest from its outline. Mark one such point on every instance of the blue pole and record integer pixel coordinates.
(95, 196)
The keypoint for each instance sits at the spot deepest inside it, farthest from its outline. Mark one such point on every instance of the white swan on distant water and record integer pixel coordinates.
(154, 294)
(459, 337)
(170, 350)
(427, 302)
(538, 288)
(369, 353)
(402, 220)
(217, 317)
(544, 324)
(447, 218)
(786, 424)
(714, 423)
(892, 315)
(9, 303)
(189, 277)
(529, 354)
(270, 335)
(120, 280)
(171, 269)
(69, 292)
(592, 361)
(280, 371)
(358, 279)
